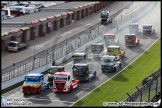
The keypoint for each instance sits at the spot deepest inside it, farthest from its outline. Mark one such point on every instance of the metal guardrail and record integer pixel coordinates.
(147, 83)
(78, 40)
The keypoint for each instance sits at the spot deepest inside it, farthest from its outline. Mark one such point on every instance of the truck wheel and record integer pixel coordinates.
(39, 91)
(114, 69)
(89, 79)
(120, 66)
(71, 88)
(78, 84)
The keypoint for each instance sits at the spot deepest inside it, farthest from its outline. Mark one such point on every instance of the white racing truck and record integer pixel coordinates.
(16, 46)
(64, 82)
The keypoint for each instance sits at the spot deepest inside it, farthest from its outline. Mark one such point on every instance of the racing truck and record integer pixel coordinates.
(64, 82)
(51, 71)
(147, 29)
(131, 40)
(110, 39)
(34, 83)
(115, 51)
(110, 64)
(82, 72)
(16, 46)
(98, 49)
(134, 28)
(105, 17)
(80, 58)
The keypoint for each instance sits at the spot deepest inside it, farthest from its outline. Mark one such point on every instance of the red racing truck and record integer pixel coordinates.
(131, 40)
(147, 29)
(63, 82)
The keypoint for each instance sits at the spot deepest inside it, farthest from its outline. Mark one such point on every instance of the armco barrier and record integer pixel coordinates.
(21, 78)
(67, 56)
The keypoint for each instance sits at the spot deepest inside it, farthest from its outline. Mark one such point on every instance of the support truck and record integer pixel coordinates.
(64, 82)
(110, 39)
(131, 40)
(82, 72)
(110, 63)
(105, 17)
(34, 83)
(16, 46)
(98, 49)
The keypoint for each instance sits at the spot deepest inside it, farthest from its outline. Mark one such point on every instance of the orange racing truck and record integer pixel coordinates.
(63, 82)
(115, 51)
(131, 40)
(34, 83)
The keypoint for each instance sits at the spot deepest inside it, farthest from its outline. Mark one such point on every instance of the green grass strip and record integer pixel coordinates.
(116, 88)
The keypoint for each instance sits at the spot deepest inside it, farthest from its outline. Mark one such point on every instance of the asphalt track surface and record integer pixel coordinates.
(43, 44)
(48, 98)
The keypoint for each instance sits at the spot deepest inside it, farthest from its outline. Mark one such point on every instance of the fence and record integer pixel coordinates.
(69, 46)
(146, 87)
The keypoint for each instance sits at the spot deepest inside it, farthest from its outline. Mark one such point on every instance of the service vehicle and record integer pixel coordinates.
(147, 29)
(110, 39)
(80, 58)
(16, 46)
(64, 82)
(134, 28)
(131, 40)
(109, 64)
(115, 51)
(34, 83)
(82, 72)
(105, 17)
(53, 69)
(98, 49)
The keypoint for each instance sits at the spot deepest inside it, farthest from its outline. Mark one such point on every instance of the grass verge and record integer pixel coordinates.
(116, 88)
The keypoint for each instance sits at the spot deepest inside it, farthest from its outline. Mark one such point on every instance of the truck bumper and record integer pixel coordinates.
(14, 50)
(81, 78)
(129, 44)
(55, 90)
(107, 70)
(96, 55)
(30, 91)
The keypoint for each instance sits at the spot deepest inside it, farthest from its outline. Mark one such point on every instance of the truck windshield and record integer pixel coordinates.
(79, 68)
(106, 60)
(12, 44)
(78, 57)
(32, 79)
(60, 78)
(147, 27)
(96, 47)
(130, 37)
(112, 50)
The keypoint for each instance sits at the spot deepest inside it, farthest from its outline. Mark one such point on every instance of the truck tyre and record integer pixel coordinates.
(89, 79)
(39, 90)
(71, 88)
(114, 69)
(78, 84)
(120, 66)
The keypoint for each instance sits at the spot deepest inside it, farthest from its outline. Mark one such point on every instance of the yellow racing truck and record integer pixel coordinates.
(115, 51)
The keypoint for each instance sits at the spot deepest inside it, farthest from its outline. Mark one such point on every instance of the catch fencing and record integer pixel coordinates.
(147, 83)
(79, 39)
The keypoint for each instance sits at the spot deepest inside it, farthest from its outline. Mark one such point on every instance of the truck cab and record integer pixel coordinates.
(110, 39)
(97, 49)
(147, 29)
(82, 72)
(109, 63)
(34, 83)
(13, 46)
(131, 40)
(79, 58)
(63, 82)
(134, 28)
(115, 51)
